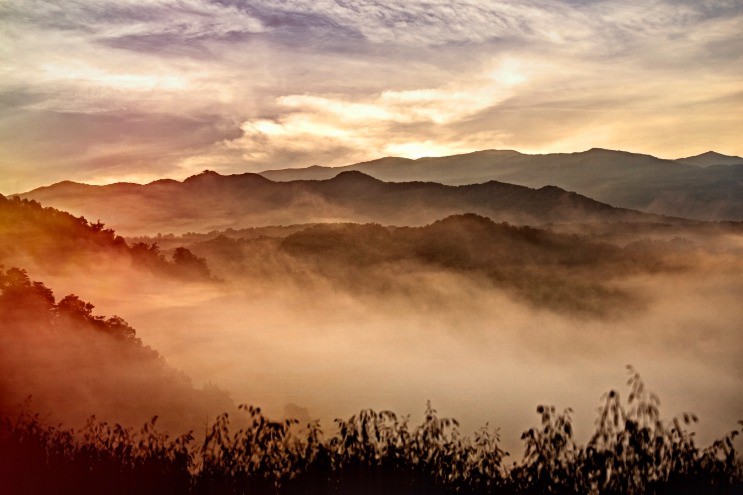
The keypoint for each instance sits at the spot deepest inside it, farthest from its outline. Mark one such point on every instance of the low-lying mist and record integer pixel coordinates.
(59, 358)
(477, 352)
(485, 320)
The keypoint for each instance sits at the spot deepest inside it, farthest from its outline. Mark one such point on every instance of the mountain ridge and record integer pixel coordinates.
(334, 170)
(210, 201)
(710, 158)
(625, 179)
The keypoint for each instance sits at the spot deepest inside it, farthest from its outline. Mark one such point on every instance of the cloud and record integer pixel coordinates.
(104, 147)
(335, 81)
(410, 123)
(106, 18)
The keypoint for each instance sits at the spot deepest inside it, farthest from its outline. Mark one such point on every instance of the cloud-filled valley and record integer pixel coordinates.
(461, 312)
(359, 246)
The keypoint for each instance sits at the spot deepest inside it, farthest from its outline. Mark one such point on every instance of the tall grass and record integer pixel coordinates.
(632, 451)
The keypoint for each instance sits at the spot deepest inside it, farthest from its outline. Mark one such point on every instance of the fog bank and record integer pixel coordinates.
(477, 354)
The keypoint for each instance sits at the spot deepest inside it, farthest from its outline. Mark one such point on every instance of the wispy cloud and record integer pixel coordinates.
(297, 82)
(411, 123)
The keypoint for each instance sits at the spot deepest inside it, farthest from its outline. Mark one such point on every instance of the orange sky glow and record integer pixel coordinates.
(102, 91)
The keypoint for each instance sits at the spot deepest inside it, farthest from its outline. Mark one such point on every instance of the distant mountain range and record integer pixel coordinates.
(210, 201)
(706, 187)
(711, 158)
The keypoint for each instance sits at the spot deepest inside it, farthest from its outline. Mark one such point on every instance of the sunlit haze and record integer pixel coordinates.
(102, 91)
(469, 247)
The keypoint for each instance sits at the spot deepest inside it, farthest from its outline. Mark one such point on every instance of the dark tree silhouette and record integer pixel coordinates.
(190, 264)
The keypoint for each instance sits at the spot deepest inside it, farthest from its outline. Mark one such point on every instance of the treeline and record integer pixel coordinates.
(27, 303)
(562, 272)
(632, 451)
(183, 262)
(73, 362)
(466, 242)
(54, 239)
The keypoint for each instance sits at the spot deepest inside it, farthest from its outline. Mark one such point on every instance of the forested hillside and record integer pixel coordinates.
(57, 241)
(72, 363)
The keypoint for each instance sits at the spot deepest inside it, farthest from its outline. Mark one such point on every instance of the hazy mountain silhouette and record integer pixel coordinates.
(710, 158)
(210, 201)
(563, 272)
(629, 180)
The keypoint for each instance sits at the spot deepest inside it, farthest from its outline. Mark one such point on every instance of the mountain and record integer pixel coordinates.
(619, 178)
(710, 158)
(210, 201)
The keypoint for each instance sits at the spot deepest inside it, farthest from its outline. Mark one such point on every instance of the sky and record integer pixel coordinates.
(101, 91)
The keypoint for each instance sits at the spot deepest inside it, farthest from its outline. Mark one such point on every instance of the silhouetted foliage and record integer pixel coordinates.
(22, 300)
(71, 359)
(190, 264)
(19, 293)
(49, 235)
(631, 452)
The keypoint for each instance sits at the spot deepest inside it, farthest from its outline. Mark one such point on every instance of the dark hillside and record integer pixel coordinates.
(210, 201)
(57, 241)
